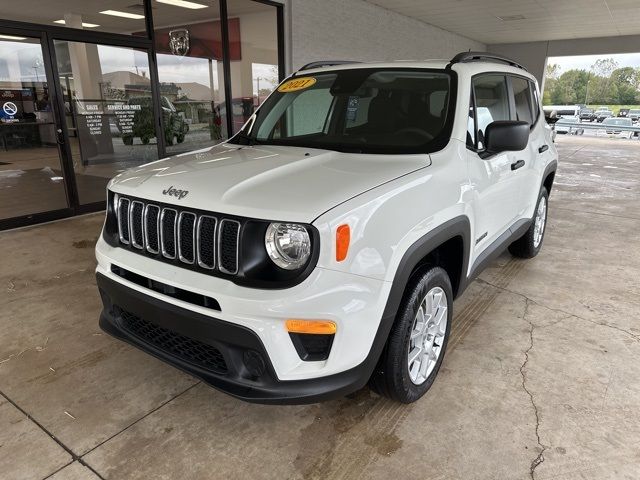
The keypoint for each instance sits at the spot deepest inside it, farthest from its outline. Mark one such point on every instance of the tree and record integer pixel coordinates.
(552, 71)
(626, 83)
(569, 88)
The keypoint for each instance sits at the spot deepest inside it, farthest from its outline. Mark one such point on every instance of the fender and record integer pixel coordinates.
(456, 227)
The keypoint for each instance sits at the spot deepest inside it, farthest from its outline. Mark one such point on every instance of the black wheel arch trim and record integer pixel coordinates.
(551, 167)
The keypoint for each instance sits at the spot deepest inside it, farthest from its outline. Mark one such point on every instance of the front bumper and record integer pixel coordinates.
(248, 373)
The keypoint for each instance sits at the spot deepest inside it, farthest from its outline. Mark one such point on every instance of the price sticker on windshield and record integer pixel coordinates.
(296, 84)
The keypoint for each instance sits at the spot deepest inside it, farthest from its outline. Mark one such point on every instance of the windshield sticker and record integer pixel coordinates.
(296, 84)
(352, 108)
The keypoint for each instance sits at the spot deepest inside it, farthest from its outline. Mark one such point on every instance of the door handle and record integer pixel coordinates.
(543, 148)
(59, 137)
(517, 165)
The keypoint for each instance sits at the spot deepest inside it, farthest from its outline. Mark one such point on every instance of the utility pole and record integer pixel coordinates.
(586, 93)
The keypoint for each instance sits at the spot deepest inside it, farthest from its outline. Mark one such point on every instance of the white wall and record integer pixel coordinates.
(357, 30)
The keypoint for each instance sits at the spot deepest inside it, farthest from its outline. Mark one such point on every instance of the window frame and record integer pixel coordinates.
(536, 112)
(510, 102)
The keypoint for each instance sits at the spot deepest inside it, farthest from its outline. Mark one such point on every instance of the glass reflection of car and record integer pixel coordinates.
(610, 123)
(573, 129)
(174, 123)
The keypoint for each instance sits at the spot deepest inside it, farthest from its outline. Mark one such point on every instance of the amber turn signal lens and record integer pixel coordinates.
(343, 238)
(321, 327)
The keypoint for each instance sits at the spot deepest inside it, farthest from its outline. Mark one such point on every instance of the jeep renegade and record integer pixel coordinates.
(322, 246)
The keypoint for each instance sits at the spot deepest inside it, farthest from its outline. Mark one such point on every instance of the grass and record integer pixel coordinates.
(614, 108)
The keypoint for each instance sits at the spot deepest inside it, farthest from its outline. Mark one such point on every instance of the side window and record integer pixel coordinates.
(304, 113)
(522, 97)
(310, 110)
(536, 102)
(491, 103)
(471, 124)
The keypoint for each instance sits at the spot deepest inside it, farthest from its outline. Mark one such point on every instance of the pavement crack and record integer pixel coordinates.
(523, 373)
(37, 348)
(566, 314)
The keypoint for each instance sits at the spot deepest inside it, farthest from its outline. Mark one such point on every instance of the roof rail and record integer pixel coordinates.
(480, 56)
(324, 63)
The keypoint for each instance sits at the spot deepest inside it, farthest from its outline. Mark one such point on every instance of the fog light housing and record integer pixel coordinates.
(312, 339)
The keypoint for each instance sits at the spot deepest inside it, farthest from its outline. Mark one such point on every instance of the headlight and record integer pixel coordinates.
(288, 245)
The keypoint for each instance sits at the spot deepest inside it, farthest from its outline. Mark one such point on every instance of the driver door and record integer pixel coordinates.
(496, 195)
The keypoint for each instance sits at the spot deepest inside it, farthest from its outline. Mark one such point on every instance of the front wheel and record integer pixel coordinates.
(418, 339)
(529, 244)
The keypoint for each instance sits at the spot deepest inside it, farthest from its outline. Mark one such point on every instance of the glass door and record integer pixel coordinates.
(110, 116)
(32, 180)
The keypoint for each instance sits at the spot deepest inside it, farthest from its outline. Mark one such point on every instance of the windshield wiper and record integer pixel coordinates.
(244, 139)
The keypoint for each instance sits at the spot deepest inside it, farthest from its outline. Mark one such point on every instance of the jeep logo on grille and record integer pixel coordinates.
(174, 192)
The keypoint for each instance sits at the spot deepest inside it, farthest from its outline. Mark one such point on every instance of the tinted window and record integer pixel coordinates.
(522, 97)
(364, 110)
(491, 102)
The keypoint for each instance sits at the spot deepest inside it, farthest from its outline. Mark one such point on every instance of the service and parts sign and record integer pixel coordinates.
(296, 84)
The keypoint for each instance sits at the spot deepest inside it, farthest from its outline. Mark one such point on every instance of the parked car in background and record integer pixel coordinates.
(573, 129)
(587, 115)
(563, 110)
(602, 114)
(634, 114)
(623, 113)
(175, 126)
(611, 123)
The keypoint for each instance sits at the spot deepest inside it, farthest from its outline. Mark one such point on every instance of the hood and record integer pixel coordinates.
(293, 184)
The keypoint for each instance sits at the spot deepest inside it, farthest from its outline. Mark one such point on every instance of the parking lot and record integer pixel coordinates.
(541, 378)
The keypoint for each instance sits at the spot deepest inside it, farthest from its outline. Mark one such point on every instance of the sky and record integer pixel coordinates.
(584, 62)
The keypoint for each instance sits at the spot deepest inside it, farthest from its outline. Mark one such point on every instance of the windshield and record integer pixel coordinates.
(360, 110)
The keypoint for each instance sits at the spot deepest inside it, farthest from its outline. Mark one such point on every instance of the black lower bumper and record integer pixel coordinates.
(197, 344)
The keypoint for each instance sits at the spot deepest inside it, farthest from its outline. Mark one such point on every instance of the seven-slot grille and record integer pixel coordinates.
(200, 240)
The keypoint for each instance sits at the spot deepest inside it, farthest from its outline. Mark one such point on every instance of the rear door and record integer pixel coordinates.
(526, 176)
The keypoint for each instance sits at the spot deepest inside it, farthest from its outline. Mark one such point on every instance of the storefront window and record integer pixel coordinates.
(189, 53)
(31, 178)
(109, 112)
(253, 45)
(114, 16)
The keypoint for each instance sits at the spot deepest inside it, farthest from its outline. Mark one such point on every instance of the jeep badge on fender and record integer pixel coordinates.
(175, 192)
(325, 246)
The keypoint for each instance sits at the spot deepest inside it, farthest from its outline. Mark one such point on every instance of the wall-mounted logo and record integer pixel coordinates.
(10, 108)
(173, 192)
(179, 42)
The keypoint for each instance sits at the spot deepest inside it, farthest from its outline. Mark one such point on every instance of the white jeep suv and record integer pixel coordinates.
(322, 247)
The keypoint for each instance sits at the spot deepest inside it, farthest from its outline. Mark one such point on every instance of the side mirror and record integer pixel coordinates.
(506, 136)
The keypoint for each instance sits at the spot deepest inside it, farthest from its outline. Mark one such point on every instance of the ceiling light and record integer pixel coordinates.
(84, 24)
(11, 37)
(183, 4)
(117, 13)
(509, 18)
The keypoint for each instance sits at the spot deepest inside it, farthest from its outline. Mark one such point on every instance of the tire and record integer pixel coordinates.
(127, 140)
(392, 377)
(529, 244)
(180, 138)
(168, 138)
